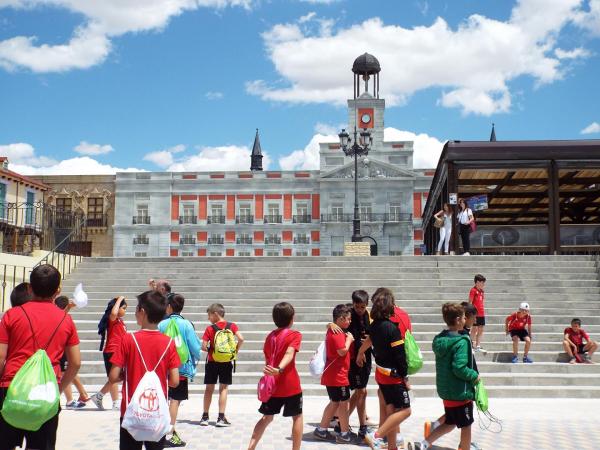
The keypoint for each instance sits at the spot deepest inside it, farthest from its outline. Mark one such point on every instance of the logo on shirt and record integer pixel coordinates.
(148, 400)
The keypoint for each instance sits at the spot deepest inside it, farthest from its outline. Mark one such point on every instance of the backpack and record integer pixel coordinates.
(316, 365)
(147, 415)
(414, 358)
(266, 385)
(224, 349)
(32, 397)
(174, 333)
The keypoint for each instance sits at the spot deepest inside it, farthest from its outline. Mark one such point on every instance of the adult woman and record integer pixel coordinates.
(444, 214)
(465, 217)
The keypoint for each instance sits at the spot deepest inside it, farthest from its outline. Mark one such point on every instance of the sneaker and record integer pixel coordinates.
(474, 446)
(204, 421)
(466, 254)
(482, 350)
(323, 435)
(374, 442)
(527, 359)
(71, 405)
(348, 438)
(362, 431)
(222, 422)
(515, 359)
(572, 360)
(97, 401)
(417, 446)
(175, 441)
(79, 404)
(338, 429)
(116, 405)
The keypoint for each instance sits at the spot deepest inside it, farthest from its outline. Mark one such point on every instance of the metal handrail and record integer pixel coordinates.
(23, 274)
(77, 258)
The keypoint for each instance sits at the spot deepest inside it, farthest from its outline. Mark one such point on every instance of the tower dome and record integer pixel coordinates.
(366, 64)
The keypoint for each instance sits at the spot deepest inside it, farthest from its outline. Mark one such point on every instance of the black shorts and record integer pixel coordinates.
(358, 377)
(221, 372)
(63, 363)
(461, 416)
(107, 363)
(581, 349)
(338, 393)
(179, 393)
(480, 321)
(292, 406)
(127, 442)
(395, 394)
(522, 334)
(42, 439)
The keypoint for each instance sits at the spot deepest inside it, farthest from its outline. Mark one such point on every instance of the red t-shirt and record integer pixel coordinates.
(152, 345)
(518, 323)
(336, 366)
(477, 298)
(577, 338)
(16, 332)
(288, 382)
(402, 319)
(209, 335)
(116, 330)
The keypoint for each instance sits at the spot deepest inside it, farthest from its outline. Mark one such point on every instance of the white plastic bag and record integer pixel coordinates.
(316, 366)
(80, 297)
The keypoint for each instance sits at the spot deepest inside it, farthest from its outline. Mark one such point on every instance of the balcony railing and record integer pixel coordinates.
(244, 240)
(398, 217)
(141, 220)
(100, 220)
(273, 219)
(141, 241)
(367, 217)
(215, 219)
(187, 241)
(305, 218)
(216, 241)
(301, 240)
(244, 219)
(336, 217)
(273, 241)
(188, 219)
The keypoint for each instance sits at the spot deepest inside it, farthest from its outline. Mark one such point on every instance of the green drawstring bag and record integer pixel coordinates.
(414, 358)
(32, 397)
(481, 397)
(173, 332)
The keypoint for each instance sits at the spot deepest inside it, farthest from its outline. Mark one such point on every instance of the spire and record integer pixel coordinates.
(256, 157)
(493, 135)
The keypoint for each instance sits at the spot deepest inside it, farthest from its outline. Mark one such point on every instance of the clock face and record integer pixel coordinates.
(365, 118)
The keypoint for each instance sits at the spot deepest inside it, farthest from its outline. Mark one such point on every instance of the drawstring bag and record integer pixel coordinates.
(266, 384)
(414, 357)
(316, 365)
(174, 333)
(481, 397)
(481, 401)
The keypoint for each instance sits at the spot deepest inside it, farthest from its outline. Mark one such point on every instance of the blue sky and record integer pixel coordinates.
(98, 86)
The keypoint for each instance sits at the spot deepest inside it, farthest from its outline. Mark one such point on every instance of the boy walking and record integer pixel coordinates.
(187, 370)
(574, 344)
(515, 324)
(146, 349)
(26, 328)
(219, 337)
(477, 298)
(281, 346)
(335, 377)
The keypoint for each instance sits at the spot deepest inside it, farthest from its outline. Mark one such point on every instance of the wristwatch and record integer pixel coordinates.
(279, 369)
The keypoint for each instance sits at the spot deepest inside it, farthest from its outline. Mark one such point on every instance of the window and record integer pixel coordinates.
(302, 214)
(3, 209)
(243, 254)
(187, 253)
(187, 239)
(244, 238)
(272, 252)
(301, 253)
(337, 245)
(395, 212)
(245, 213)
(140, 254)
(142, 210)
(140, 239)
(302, 238)
(216, 211)
(337, 209)
(216, 254)
(189, 210)
(273, 209)
(215, 239)
(397, 245)
(63, 204)
(95, 211)
(29, 208)
(142, 216)
(272, 238)
(366, 210)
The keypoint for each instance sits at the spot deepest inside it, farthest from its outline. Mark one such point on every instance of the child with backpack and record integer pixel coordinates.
(111, 328)
(33, 337)
(188, 348)
(280, 348)
(147, 358)
(219, 341)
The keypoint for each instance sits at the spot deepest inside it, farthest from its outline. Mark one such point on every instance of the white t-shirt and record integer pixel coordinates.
(463, 216)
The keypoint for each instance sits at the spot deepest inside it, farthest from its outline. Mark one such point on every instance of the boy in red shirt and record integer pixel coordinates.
(335, 377)
(24, 330)
(150, 310)
(574, 345)
(515, 324)
(214, 371)
(288, 392)
(477, 298)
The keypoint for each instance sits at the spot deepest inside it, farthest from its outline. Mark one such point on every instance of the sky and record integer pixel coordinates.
(100, 86)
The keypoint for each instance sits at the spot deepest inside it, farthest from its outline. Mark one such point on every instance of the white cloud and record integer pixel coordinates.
(164, 158)
(590, 19)
(307, 158)
(85, 148)
(321, 2)
(214, 95)
(592, 128)
(472, 63)
(327, 129)
(23, 153)
(224, 158)
(90, 43)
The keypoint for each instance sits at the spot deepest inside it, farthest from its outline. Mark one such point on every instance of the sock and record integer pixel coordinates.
(205, 414)
(435, 424)
(99, 395)
(321, 429)
(221, 415)
(344, 433)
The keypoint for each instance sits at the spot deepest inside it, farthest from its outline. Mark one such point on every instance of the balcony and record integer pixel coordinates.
(141, 220)
(247, 240)
(398, 217)
(216, 241)
(367, 217)
(98, 220)
(272, 241)
(301, 240)
(187, 241)
(188, 220)
(305, 218)
(215, 219)
(244, 219)
(141, 241)
(336, 217)
(273, 219)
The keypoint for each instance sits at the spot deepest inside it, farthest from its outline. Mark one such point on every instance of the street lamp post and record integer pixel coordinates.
(359, 146)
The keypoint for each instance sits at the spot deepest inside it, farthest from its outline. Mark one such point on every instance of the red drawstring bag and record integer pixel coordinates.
(266, 385)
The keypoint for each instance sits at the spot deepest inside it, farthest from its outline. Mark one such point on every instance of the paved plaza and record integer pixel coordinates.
(536, 424)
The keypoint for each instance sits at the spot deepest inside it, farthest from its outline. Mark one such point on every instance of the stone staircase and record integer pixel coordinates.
(557, 288)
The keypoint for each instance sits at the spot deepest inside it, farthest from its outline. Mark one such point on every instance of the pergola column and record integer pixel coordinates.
(553, 209)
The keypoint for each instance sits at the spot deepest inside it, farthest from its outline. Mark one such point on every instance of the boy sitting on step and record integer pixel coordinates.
(515, 324)
(574, 345)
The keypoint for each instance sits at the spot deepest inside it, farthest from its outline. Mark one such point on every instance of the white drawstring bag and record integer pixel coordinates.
(316, 366)
(80, 297)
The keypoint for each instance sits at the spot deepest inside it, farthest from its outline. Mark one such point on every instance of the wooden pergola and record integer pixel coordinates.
(533, 188)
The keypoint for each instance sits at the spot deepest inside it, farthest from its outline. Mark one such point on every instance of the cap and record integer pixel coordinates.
(524, 306)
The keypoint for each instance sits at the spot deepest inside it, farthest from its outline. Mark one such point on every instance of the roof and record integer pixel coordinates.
(256, 150)
(366, 64)
(5, 173)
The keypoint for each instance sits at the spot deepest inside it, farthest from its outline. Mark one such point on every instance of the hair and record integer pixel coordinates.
(20, 294)
(103, 323)
(62, 301)
(45, 281)
(340, 311)
(166, 285)
(360, 296)
(283, 313)
(447, 206)
(383, 304)
(479, 277)
(462, 201)
(154, 304)
(216, 308)
(576, 322)
(176, 302)
(469, 308)
(451, 312)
